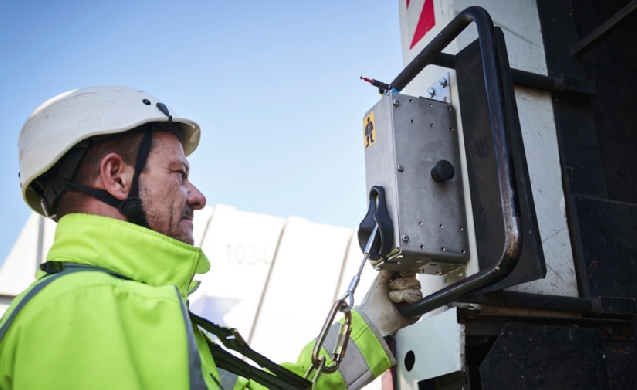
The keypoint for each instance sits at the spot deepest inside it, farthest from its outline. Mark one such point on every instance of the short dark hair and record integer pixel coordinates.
(126, 145)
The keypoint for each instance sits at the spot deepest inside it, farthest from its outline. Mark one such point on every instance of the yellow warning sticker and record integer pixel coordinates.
(369, 129)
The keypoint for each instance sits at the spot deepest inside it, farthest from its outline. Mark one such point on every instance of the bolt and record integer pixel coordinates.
(443, 82)
(405, 238)
(400, 168)
(395, 102)
(431, 92)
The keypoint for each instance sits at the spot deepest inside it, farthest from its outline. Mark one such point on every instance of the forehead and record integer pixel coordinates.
(167, 147)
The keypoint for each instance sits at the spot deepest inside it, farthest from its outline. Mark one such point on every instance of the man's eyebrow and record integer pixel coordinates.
(183, 163)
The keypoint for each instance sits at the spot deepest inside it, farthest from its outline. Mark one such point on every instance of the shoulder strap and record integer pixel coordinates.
(276, 376)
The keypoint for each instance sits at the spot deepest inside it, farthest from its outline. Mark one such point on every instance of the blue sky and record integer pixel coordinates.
(274, 86)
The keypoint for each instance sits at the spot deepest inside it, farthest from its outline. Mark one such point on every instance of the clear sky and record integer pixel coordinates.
(274, 85)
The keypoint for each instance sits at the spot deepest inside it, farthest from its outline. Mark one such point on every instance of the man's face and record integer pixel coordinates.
(167, 195)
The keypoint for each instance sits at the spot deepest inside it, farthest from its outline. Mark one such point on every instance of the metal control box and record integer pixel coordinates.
(412, 151)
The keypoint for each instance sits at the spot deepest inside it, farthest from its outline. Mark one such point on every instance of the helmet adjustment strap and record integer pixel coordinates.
(131, 207)
(51, 188)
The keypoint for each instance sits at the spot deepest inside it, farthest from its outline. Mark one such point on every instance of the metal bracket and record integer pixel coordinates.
(440, 90)
(456, 274)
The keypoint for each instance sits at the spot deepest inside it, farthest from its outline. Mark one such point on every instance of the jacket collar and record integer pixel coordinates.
(127, 249)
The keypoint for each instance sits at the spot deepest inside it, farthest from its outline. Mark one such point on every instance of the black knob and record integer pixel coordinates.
(443, 171)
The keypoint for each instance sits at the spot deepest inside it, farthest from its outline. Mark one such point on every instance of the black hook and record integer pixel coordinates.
(377, 215)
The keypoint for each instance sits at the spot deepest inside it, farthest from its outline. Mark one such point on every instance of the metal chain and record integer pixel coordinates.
(343, 305)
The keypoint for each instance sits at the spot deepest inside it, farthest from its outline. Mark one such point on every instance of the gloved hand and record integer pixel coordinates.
(378, 309)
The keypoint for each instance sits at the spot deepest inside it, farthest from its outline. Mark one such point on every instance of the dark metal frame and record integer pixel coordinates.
(557, 85)
(600, 31)
(600, 306)
(504, 162)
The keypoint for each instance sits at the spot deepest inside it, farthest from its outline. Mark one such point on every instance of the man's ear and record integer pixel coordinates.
(116, 175)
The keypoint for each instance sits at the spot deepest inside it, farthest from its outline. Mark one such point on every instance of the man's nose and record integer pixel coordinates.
(195, 199)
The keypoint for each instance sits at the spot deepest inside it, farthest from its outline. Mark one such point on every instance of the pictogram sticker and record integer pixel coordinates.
(369, 129)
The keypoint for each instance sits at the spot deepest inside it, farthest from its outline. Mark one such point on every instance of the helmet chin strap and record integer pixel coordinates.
(131, 207)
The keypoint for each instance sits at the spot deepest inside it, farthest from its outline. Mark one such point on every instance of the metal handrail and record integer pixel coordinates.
(504, 162)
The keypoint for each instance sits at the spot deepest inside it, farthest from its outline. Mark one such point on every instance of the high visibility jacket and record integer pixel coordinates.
(90, 330)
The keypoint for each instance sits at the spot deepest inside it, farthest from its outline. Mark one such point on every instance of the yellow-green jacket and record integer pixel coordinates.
(91, 330)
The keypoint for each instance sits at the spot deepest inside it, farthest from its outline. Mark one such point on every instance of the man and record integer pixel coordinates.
(109, 165)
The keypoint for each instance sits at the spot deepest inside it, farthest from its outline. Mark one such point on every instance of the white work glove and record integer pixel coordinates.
(378, 307)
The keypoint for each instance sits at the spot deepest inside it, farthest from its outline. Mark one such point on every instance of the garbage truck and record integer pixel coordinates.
(505, 153)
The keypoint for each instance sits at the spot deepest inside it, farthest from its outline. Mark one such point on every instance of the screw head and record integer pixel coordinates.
(400, 168)
(431, 92)
(405, 238)
(395, 102)
(443, 82)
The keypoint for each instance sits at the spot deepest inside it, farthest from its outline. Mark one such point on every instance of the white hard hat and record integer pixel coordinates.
(71, 117)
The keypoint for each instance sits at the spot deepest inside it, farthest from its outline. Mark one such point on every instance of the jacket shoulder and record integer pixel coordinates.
(94, 291)
(98, 324)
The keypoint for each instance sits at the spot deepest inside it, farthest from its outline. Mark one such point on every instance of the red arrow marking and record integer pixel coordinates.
(426, 22)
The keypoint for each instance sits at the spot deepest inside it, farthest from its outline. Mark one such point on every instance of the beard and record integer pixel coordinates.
(169, 224)
(177, 232)
(174, 227)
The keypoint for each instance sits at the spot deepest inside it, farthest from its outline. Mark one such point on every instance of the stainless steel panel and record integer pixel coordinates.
(411, 135)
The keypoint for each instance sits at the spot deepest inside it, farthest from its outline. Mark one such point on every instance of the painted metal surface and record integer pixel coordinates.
(520, 23)
(528, 356)
(489, 219)
(430, 348)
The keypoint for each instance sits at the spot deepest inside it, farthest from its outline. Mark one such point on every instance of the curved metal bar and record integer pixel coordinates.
(504, 162)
